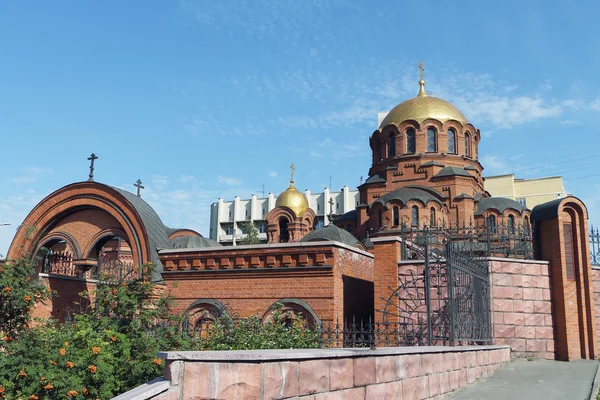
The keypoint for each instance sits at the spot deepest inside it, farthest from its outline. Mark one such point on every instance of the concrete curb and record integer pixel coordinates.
(595, 384)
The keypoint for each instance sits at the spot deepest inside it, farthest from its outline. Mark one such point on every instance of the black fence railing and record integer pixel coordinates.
(107, 268)
(595, 246)
(496, 240)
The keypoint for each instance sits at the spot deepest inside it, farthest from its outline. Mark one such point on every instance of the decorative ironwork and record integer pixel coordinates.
(595, 246)
(107, 269)
(489, 240)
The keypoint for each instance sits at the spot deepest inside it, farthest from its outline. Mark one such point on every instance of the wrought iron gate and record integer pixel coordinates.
(443, 300)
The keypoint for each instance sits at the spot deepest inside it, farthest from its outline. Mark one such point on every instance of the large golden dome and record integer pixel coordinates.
(293, 199)
(421, 108)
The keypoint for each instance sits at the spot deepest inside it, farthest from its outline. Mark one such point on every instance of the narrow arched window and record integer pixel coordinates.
(511, 224)
(411, 145)
(383, 155)
(526, 223)
(415, 216)
(396, 216)
(392, 145)
(451, 141)
(431, 140)
(491, 220)
(467, 145)
(432, 217)
(380, 219)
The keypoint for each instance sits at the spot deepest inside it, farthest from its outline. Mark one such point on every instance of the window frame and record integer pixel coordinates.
(453, 132)
(414, 141)
(432, 131)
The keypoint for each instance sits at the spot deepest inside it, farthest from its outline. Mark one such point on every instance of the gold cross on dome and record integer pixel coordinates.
(293, 169)
(421, 69)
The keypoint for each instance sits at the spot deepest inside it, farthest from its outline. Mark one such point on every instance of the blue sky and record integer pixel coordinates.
(208, 99)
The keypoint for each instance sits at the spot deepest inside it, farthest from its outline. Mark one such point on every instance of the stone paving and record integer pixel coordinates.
(533, 380)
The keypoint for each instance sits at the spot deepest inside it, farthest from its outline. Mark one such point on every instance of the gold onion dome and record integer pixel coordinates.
(293, 198)
(423, 107)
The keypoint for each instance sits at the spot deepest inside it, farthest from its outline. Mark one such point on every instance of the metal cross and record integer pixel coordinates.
(421, 70)
(92, 158)
(293, 169)
(138, 185)
(331, 205)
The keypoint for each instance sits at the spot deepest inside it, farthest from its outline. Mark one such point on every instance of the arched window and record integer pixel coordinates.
(491, 220)
(392, 145)
(284, 234)
(396, 216)
(411, 145)
(431, 140)
(526, 223)
(467, 145)
(451, 141)
(511, 224)
(415, 216)
(432, 217)
(383, 155)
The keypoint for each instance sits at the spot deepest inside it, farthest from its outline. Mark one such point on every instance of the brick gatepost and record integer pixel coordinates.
(387, 255)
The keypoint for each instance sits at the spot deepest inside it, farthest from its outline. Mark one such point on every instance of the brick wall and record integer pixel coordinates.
(249, 279)
(596, 291)
(68, 289)
(407, 373)
(522, 307)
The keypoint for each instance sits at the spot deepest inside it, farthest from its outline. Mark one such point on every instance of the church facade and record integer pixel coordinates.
(425, 176)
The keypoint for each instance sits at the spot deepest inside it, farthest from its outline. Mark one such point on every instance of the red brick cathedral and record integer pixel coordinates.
(423, 209)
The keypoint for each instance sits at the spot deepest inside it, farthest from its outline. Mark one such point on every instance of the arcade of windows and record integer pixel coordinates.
(432, 142)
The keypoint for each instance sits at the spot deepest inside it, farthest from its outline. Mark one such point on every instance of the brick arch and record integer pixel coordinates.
(295, 306)
(71, 241)
(72, 198)
(106, 233)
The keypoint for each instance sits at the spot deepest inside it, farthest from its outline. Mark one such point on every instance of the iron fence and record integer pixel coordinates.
(107, 269)
(595, 246)
(495, 240)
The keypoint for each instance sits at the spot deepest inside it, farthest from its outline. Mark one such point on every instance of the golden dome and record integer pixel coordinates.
(293, 199)
(421, 108)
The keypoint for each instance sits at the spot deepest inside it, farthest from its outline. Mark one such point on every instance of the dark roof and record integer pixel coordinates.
(157, 234)
(193, 242)
(545, 211)
(171, 231)
(331, 232)
(470, 168)
(498, 203)
(349, 216)
(463, 196)
(452, 171)
(432, 163)
(409, 193)
(374, 179)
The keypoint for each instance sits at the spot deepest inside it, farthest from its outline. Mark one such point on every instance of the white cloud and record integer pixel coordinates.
(31, 174)
(595, 105)
(228, 180)
(273, 174)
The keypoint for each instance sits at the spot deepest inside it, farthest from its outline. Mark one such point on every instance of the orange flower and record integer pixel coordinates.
(27, 298)
(113, 338)
(48, 387)
(84, 391)
(157, 361)
(2, 389)
(43, 378)
(33, 397)
(72, 393)
(92, 369)
(114, 292)
(8, 338)
(96, 350)
(67, 344)
(22, 373)
(70, 364)
(53, 363)
(62, 352)
(7, 289)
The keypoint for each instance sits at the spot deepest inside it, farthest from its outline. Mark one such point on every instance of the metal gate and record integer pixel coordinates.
(442, 300)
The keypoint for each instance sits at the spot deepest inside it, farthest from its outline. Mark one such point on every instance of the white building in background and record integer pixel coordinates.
(228, 218)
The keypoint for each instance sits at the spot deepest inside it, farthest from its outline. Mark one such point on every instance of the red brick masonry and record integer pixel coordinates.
(387, 373)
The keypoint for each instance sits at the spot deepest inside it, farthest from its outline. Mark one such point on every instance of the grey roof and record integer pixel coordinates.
(452, 171)
(349, 216)
(193, 242)
(545, 211)
(410, 193)
(498, 203)
(432, 163)
(331, 232)
(171, 231)
(157, 234)
(374, 179)
(470, 168)
(463, 196)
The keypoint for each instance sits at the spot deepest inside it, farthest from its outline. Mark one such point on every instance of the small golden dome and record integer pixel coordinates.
(293, 199)
(423, 107)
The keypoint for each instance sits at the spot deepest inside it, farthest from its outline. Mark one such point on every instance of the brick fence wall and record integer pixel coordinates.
(596, 291)
(319, 374)
(522, 307)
